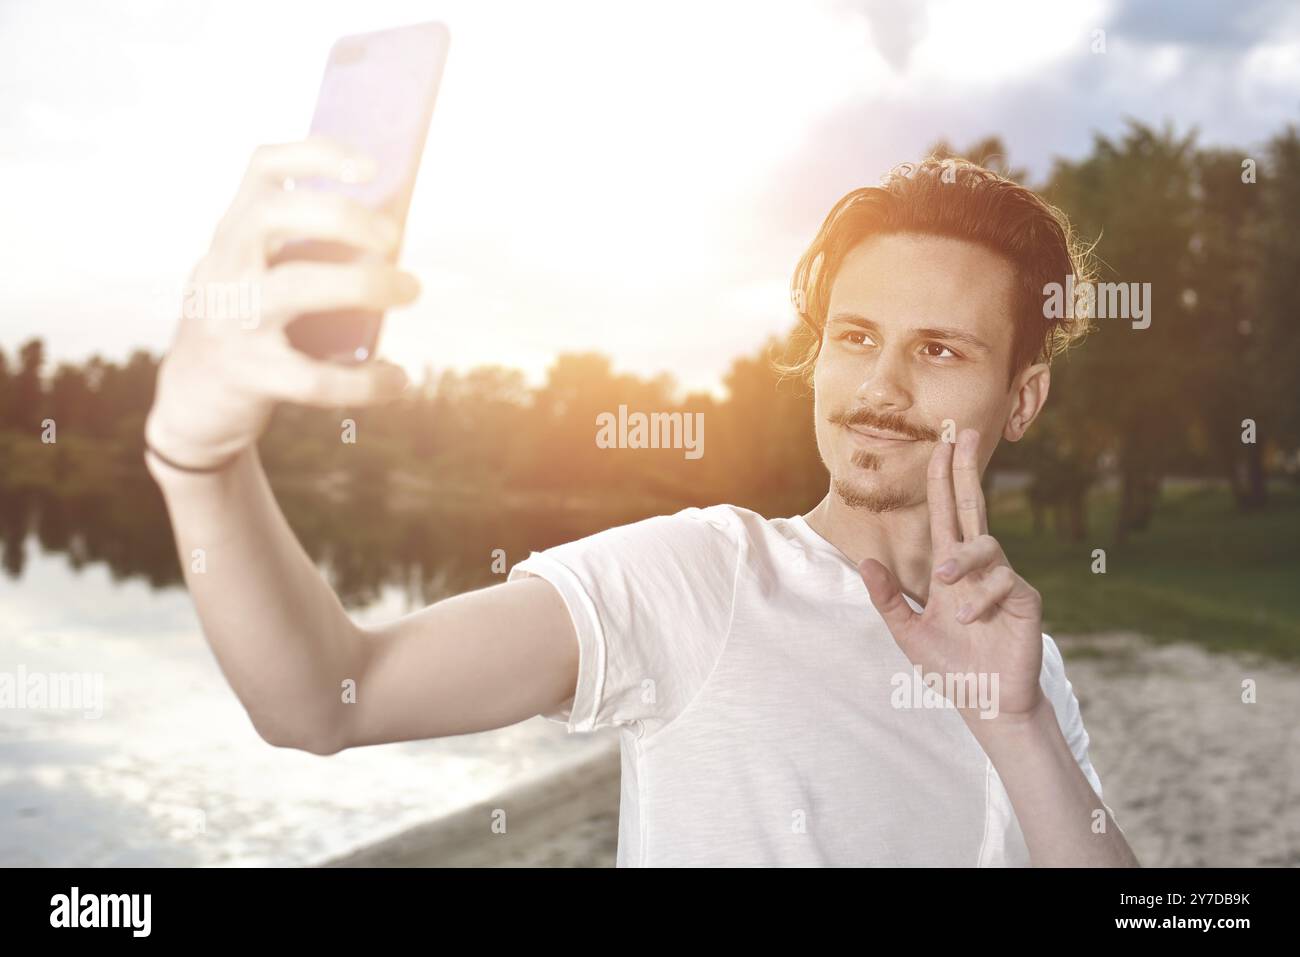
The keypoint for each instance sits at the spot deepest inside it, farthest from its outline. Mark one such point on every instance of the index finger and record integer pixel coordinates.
(939, 497)
(319, 156)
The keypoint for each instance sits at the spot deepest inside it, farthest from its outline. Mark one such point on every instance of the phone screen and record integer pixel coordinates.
(377, 97)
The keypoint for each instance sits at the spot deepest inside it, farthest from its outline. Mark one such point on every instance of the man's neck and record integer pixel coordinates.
(899, 539)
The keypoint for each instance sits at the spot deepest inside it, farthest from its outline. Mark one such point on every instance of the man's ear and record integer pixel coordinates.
(1028, 398)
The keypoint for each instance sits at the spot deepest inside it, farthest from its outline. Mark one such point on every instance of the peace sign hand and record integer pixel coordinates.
(981, 618)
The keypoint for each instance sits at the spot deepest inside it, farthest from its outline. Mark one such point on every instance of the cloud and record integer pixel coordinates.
(1238, 25)
(1238, 93)
(896, 28)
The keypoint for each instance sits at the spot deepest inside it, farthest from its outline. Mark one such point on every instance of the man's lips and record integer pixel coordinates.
(879, 435)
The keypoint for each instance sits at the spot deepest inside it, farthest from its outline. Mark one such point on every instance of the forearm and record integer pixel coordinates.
(1060, 814)
(278, 631)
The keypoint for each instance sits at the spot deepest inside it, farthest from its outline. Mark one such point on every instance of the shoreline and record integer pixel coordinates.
(568, 818)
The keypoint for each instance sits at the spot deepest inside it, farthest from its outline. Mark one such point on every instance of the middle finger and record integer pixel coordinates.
(308, 214)
(971, 516)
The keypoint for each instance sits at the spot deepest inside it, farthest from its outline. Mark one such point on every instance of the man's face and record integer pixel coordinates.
(918, 330)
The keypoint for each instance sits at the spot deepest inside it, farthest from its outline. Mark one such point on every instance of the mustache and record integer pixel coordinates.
(888, 422)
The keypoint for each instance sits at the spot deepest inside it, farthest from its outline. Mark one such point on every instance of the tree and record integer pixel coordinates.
(1227, 354)
(1134, 198)
(25, 410)
(1277, 330)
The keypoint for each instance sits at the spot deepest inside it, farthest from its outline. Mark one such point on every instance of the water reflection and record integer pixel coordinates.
(364, 528)
(173, 773)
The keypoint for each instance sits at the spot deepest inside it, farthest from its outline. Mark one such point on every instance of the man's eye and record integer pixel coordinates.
(936, 350)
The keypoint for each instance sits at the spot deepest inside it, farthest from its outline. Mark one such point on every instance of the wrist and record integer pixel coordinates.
(1018, 728)
(171, 468)
(167, 455)
(176, 483)
(172, 465)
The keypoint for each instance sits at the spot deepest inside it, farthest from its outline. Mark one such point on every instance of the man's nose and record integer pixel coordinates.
(886, 383)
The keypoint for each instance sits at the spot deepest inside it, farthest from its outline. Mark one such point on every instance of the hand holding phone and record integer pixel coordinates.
(308, 270)
(377, 97)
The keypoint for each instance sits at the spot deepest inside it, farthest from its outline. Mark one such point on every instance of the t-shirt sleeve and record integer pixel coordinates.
(1061, 693)
(651, 604)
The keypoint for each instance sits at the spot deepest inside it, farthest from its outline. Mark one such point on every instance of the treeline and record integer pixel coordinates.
(1209, 229)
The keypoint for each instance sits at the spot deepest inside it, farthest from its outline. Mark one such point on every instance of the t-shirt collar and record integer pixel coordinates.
(815, 538)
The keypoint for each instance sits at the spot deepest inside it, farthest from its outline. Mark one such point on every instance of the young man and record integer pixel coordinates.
(764, 674)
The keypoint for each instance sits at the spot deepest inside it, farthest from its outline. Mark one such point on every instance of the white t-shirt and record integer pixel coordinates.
(753, 682)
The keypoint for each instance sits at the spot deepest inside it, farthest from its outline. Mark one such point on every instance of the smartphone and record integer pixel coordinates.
(377, 97)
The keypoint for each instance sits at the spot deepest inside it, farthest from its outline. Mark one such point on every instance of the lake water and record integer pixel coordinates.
(173, 773)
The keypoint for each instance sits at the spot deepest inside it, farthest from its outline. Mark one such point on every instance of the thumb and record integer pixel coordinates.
(886, 595)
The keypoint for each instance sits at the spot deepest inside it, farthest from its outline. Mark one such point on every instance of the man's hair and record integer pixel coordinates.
(958, 199)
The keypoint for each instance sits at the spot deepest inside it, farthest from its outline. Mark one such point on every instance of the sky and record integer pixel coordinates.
(632, 179)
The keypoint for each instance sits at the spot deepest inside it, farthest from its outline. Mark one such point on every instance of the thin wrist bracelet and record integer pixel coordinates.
(218, 467)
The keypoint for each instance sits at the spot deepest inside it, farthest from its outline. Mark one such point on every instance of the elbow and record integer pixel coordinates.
(279, 736)
(318, 746)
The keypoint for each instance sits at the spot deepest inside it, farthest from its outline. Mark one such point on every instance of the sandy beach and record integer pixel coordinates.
(570, 819)
(1195, 776)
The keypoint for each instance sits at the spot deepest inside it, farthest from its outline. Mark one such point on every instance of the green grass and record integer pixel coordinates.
(1202, 571)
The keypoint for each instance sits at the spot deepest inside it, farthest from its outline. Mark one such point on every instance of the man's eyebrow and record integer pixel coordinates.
(953, 335)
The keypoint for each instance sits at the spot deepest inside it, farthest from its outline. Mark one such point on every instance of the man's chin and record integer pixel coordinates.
(870, 497)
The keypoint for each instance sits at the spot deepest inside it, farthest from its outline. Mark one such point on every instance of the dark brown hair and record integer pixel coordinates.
(960, 200)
